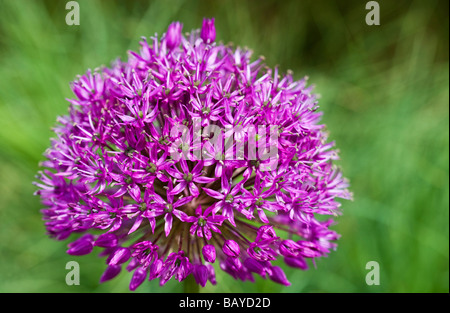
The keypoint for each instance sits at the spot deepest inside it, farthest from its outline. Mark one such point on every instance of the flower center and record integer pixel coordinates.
(147, 251)
(259, 202)
(129, 151)
(201, 222)
(206, 111)
(143, 207)
(187, 177)
(169, 208)
(98, 173)
(163, 140)
(151, 168)
(128, 180)
(184, 146)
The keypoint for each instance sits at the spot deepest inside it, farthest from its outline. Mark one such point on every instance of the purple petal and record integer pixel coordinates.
(189, 219)
(116, 224)
(266, 232)
(178, 188)
(120, 192)
(168, 226)
(135, 192)
(184, 166)
(182, 201)
(136, 224)
(182, 216)
(174, 172)
(125, 118)
(218, 219)
(218, 170)
(263, 216)
(213, 193)
(197, 168)
(204, 180)
(193, 189)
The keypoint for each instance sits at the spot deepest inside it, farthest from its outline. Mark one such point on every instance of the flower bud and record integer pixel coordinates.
(289, 248)
(110, 272)
(254, 266)
(200, 273)
(121, 255)
(173, 35)
(209, 253)
(107, 240)
(231, 248)
(81, 246)
(297, 262)
(138, 278)
(277, 275)
(208, 32)
(211, 274)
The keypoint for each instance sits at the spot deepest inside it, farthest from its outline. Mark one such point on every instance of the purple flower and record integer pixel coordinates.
(205, 223)
(191, 157)
(188, 178)
(144, 252)
(176, 265)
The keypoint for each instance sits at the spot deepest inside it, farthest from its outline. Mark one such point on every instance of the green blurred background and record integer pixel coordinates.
(384, 91)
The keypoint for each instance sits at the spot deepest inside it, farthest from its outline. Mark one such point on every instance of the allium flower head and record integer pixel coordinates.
(188, 158)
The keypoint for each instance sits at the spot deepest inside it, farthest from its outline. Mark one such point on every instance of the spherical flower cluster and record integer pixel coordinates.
(191, 157)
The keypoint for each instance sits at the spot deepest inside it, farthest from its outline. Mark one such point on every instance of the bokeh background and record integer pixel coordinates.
(384, 91)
